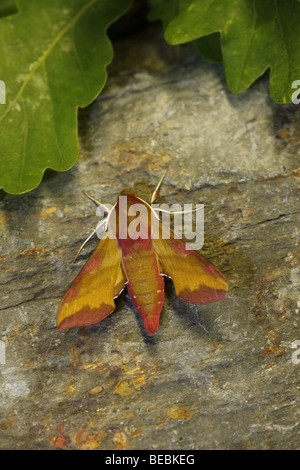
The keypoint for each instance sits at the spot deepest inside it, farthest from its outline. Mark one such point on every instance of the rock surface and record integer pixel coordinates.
(218, 376)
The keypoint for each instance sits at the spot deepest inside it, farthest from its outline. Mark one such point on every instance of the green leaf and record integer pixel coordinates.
(255, 35)
(8, 7)
(209, 47)
(53, 59)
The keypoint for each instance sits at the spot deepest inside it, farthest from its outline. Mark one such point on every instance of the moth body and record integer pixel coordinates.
(134, 258)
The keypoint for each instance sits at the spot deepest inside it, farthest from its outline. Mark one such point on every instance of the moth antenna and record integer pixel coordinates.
(155, 192)
(108, 216)
(103, 207)
(176, 212)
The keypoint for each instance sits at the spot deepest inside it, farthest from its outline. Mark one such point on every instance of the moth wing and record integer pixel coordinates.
(195, 279)
(90, 298)
(120, 281)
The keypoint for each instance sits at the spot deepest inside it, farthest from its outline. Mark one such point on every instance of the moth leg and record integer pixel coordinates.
(155, 192)
(88, 238)
(83, 244)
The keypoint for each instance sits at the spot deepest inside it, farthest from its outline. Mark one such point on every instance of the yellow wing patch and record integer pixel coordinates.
(91, 296)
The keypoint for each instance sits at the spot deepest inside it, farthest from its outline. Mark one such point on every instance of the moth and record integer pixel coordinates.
(140, 264)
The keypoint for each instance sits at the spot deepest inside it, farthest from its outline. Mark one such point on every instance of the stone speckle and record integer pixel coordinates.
(218, 376)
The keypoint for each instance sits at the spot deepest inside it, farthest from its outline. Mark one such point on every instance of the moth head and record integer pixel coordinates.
(127, 192)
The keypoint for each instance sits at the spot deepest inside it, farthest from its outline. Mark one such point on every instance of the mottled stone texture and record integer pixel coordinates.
(219, 376)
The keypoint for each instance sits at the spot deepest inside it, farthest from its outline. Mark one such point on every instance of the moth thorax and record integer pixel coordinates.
(133, 219)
